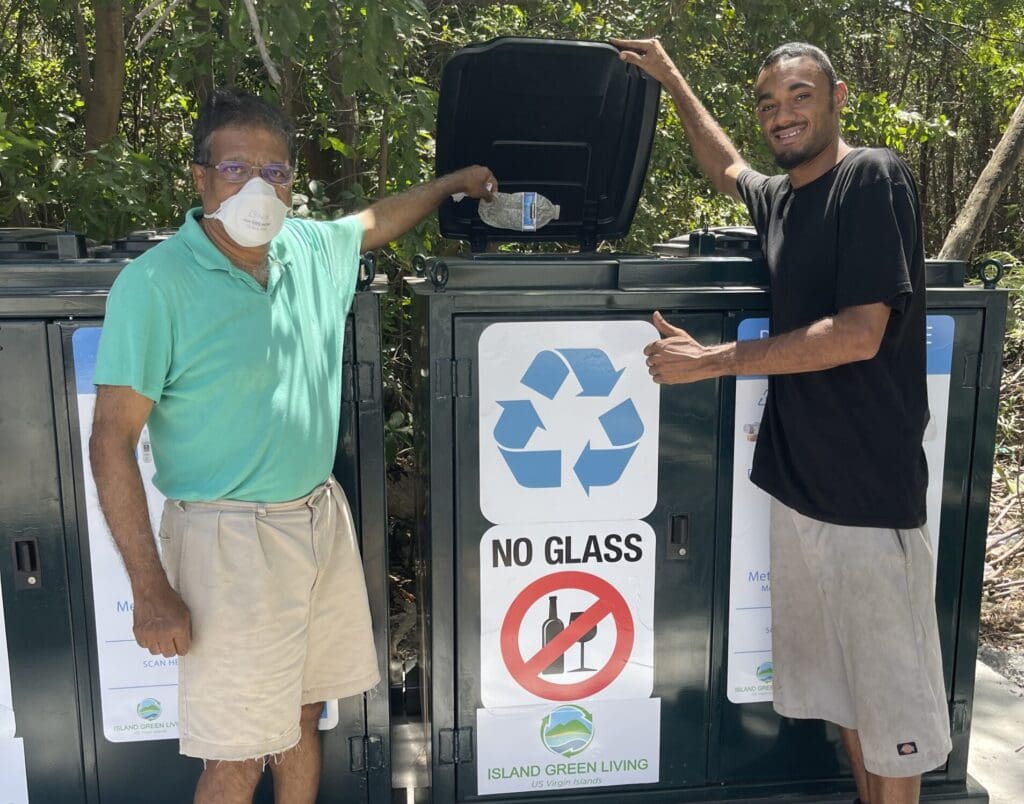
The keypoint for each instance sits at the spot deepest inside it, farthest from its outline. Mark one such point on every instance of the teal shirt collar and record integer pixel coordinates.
(207, 255)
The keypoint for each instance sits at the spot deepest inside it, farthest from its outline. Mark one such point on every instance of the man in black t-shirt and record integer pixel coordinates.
(854, 633)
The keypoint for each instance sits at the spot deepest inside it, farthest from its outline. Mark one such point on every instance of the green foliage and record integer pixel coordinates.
(933, 79)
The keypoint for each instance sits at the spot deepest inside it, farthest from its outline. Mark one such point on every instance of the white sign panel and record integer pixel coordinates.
(139, 691)
(13, 782)
(568, 421)
(566, 612)
(13, 778)
(565, 747)
(750, 670)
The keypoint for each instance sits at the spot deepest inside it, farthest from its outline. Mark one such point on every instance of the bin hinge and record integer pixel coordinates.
(958, 717)
(972, 371)
(365, 753)
(455, 745)
(981, 370)
(989, 370)
(453, 378)
(366, 382)
(359, 382)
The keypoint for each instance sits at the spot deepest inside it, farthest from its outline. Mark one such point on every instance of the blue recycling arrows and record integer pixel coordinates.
(546, 374)
(519, 421)
(593, 369)
(622, 424)
(535, 470)
(601, 467)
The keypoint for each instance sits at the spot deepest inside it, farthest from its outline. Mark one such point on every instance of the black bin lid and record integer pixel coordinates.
(566, 119)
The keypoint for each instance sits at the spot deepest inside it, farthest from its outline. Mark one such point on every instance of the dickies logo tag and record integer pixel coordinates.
(906, 749)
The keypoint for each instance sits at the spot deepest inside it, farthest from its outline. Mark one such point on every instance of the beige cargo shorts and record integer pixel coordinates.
(855, 639)
(279, 618)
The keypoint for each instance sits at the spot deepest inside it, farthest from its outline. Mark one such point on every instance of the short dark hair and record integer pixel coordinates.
(231, 106)
(799, 50)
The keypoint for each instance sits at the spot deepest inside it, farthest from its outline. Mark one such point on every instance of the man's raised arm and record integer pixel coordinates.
(715, 153)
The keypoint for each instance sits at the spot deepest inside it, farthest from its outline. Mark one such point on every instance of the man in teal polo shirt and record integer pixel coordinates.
(227, 340)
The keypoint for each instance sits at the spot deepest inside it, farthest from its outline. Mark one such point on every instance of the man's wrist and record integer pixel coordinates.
(721, 359)
(148, 579)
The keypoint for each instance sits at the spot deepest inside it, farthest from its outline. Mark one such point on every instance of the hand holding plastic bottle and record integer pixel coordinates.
(474, 181)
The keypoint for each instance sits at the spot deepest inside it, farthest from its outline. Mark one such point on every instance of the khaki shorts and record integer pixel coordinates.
(855, 640)
(279, 618)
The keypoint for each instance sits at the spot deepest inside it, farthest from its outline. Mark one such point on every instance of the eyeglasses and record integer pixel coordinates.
(239, 172)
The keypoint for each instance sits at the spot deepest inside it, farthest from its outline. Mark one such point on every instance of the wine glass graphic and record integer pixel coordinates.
(583, 640)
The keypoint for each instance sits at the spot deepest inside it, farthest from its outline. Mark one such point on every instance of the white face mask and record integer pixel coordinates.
(254, 215)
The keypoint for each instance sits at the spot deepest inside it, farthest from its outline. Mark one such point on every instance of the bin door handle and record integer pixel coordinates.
(678, 545)
(27, 572)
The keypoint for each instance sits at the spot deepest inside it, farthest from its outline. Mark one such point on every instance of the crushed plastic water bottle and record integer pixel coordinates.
(520, 212)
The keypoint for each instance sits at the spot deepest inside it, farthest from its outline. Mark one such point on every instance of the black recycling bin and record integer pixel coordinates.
(595, 578)
(96, 715)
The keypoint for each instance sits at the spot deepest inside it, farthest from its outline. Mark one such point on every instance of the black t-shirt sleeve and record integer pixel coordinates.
(875, 248)
(754, 190)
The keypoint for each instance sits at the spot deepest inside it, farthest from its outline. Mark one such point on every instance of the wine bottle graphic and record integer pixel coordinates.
(553, 627)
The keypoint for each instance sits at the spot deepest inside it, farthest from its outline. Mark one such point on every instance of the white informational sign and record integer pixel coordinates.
(13, 781)
(568, 421)
(138, 691)
(565, 747)
(13, 776)
(566, 612)
(750, 671)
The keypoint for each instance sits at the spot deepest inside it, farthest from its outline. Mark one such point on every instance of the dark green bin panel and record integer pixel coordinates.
(54, 659)
(39, 629)
(711, 749)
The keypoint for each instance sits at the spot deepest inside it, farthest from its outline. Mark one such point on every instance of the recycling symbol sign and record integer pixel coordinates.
(568, 421)
(547, 375)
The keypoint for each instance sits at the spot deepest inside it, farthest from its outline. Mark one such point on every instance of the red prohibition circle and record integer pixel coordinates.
(527, 671)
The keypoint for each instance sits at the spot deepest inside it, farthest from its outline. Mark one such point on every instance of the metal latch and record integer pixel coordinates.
(365, 753)
(455, 745)
(27, 571)
(678, 548)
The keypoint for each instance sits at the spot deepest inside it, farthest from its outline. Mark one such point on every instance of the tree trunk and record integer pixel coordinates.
(103, 108)
(993, 179)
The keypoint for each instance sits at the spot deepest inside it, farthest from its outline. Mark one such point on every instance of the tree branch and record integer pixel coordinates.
(156, 25)
(254, 21)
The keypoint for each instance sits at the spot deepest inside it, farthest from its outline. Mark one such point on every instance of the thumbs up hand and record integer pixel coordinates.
(677, 357)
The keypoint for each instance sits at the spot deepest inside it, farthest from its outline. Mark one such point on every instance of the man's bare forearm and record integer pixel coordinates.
(813, 348)
(851, 335)
(396, 214)
(715, 153)
(123, 500)
(392, 217)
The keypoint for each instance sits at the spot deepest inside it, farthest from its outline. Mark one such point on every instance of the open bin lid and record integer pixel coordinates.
(569, 120)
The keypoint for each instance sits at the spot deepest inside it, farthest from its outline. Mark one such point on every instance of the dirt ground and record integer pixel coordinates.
(1002, 603)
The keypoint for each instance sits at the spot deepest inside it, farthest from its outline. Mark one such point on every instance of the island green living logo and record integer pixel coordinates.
(568, 730)
(148, 709)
